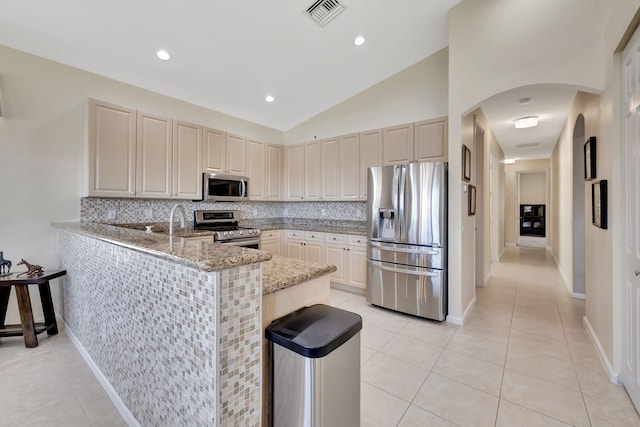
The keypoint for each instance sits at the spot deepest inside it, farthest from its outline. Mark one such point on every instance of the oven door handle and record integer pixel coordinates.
(240, 242)
(421, 272)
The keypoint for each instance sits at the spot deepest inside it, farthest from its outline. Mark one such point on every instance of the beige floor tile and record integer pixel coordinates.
(469, 370)
(375, 338)
(486, 330)
(537, 327)
(418, 417)
(379, 408)
(456, 402)
(388, 320)
(394, 376)
(544, 367)
(418, 353)
(365, 354)
(606, 413)
(511, 415)
(596, 383)
(480, 348)
(553, 400)
(429, 331)
(544, 346)
(102, 412)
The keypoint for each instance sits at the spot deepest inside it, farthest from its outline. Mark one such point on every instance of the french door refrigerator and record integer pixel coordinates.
(407, 236)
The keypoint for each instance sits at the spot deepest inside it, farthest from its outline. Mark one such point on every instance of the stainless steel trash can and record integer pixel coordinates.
(315, 368)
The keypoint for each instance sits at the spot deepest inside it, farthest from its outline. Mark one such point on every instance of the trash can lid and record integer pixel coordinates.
(314, 331)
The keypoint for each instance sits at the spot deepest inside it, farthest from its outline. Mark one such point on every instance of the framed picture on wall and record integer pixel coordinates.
(590, 159)
(466, 163)
(599, 203)
(472, 200)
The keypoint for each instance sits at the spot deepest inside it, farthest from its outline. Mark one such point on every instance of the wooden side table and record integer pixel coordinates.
(28, 328)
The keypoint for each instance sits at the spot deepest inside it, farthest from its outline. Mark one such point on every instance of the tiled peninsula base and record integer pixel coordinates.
(180, 347)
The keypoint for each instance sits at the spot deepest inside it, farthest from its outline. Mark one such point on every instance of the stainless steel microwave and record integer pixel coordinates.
(224, 188)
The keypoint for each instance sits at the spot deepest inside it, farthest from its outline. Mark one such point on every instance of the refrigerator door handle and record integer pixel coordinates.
(403, 271)
(402, 169)
(392, 247)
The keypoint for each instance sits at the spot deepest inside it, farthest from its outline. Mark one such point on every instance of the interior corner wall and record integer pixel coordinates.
(414, 94)
(41, 135)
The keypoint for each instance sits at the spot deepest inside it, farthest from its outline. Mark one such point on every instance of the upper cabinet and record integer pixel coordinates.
(370, 155)
(294, 166)
(224, 152)
(273, 172)
(312, 171)
(136, 154)
(111, 150)
(349, 179)
(255, 169)
(397, 144)
(430, 140)
(330, 168)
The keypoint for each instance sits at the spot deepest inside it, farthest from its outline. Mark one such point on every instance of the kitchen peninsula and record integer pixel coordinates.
(175, 325)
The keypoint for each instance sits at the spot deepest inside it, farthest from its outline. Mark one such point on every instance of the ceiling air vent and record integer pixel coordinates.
(323, 11)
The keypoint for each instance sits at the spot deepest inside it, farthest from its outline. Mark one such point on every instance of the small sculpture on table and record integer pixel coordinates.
(5, 265)
(32, 269)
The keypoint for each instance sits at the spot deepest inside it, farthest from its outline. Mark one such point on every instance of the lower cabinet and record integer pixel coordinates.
(306, 246)
(271, 241)
(349, 254)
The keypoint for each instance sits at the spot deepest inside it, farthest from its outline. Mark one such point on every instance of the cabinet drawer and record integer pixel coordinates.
(271, 234)
(294, 234)
(314, 236)
(335, 238)
(357, 241)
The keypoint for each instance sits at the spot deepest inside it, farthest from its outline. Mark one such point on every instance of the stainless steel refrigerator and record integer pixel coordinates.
(407, 237)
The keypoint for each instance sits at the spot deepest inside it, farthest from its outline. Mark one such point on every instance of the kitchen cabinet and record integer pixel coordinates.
(154, 156)
(349, 162)
(313, 171)
(273, 172)
(112, 150)
(430, 140)
(294, 178)
(187, 160)
(370, 155)
(336, 254)
(349, 254)
(397, 144)
(305, 246)
(224, 152)
(256, 169)
(272, 242)
(330, 168)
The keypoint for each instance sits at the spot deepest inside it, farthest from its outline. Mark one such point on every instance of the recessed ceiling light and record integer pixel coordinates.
(526, 122)
(270, 98)
(163, 54)
(525, 101)
(359, 41)
(509, 161)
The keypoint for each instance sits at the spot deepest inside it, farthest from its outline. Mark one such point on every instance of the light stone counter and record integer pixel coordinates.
(199, 253)
(358, 228)
(281, 273)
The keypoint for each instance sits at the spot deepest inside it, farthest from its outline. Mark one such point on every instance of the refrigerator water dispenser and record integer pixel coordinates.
(387, 224)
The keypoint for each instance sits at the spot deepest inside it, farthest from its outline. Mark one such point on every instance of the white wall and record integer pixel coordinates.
(416, 93)
(533, 188)
(40, 148)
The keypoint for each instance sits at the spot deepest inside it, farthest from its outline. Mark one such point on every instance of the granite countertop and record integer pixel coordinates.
(358, 228)
(282, 272)
(196, 252)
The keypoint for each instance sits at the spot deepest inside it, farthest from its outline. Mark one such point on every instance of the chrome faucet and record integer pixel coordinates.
(173, 213)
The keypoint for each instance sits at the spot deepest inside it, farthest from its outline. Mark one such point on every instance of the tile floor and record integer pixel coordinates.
(522, 359)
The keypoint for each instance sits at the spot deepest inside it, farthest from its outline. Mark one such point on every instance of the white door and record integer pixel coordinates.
(631, 219)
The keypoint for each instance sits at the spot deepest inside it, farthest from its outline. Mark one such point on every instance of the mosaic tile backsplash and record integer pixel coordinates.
(179, 346)
(150, 210)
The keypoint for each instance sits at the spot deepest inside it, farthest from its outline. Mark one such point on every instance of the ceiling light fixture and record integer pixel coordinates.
(270, 98)
(163, 54)
(359, 41)
(509, 161)
(526, 122)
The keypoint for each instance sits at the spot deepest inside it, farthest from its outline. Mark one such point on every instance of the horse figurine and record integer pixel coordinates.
(32, 269)
(5, 265)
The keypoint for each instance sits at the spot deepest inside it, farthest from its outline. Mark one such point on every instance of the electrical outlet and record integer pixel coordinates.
(111, 214)
(148, 213)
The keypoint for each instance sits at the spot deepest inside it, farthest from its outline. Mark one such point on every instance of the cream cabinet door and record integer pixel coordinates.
(154, 178)
(349, 167)
(255, 169)
(430, 140)
(112, 150)
(313, 171)
(357, 253)
(397, 144)
(314, 252)
(215, 150)
(236, 154)
(294, 163)
(187, 160)
(273, 246)
(330, 168)
(336, 254)
(370, 155)
(273, 172)
(294, 249)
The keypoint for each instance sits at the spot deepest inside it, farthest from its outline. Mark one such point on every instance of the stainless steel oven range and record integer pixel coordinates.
(224, 225)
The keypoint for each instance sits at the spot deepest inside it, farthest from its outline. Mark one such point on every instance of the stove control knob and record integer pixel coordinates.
(231, 233)
(240, 233)
(224, 233)
(250, 231)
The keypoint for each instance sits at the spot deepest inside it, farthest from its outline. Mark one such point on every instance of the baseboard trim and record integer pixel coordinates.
(348, 288)
(510, 244)
(456, 320)
(579, 296)
(565, 281)
(108, 388)
(614, 376)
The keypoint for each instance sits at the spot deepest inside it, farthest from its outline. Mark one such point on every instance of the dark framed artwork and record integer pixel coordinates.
(590, 159)
(599, 204)
(466, 163)
(472, 200)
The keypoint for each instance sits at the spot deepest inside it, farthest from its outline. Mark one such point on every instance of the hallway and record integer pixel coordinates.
(522, 359)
